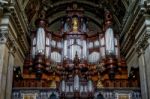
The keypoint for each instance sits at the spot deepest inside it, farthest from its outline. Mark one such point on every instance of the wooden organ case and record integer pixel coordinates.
(72, 62)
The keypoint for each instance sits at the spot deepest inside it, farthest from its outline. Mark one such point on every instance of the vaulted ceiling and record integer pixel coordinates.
(54, 10)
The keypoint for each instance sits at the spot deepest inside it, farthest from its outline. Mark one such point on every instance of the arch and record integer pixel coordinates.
(100, 96)
(56, 56)
(53, 96)
(94, 57)
(61, 14)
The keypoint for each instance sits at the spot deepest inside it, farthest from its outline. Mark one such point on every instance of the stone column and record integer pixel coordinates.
(146, 47)
(147, 60)
(3, 53)
(2, 70)
(9, 79)
(143, 49)
(143, 76)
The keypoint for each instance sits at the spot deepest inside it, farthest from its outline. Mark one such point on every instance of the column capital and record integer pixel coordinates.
(142, 44)
(3, 35)
(6, 6)
(145, 5)
(11, 45)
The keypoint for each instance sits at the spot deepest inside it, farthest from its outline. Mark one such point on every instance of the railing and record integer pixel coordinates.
(121, 83)
(45, 83)
(117, 93)
(31, 83)
(106, 93)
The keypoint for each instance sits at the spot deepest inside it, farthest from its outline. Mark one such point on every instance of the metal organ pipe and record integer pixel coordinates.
(69, 49)
(109, 39)
(84, 49)
(65, 48)
(40, 42)
(76, 83)
(47, 47)
(63, 86)
(102, 41)
(90, 86)
(116, 47)
(33, 48)
(72, 49)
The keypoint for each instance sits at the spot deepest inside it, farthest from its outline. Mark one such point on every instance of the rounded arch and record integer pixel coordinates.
(56, 56)
(61, 14)
(53, 96)
(100, 96)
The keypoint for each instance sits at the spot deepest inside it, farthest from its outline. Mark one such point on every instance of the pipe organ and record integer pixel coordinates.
(72, 62)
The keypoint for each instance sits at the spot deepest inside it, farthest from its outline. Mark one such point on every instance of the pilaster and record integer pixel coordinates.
(4, 54)
(4, 50)
(143, 74)
(143, 50)
(9, 80)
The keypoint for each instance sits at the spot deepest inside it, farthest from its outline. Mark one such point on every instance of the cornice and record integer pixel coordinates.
(16, 29)
(21, 27)
(134, 28)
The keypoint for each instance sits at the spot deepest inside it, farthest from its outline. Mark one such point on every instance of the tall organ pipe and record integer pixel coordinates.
(109, 38)
(63, 86)
(40, 42)
(90, 86)
(76, 83)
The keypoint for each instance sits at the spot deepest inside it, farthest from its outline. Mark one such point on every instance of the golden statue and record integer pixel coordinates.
(75, 24)
(53, 83)
(99, 82)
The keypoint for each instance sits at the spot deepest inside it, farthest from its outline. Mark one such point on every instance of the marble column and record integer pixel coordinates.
(9, 71)
(143, 76)
(147, 60)
(3, 53)
(2, 70)
(146, 47)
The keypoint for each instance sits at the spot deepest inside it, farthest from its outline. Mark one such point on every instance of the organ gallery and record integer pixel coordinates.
(74, 63)
(74, 49)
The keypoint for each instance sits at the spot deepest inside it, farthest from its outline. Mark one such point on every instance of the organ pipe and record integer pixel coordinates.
(90, 86)
(63, 86)
(40, 40)
(76, 83)
(47, 47)
(84, 49)
(109, 38)
(65, 48)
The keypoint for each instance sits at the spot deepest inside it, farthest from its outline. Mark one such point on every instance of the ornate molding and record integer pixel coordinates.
(3, 35)
(147, 5)
(134, 25)
(142, 44)
(5, 7)
(18, 21)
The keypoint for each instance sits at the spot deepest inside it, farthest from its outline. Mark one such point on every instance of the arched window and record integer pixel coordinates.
(53, 96)
(56, 56)
(94, 57)
(100, 96)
